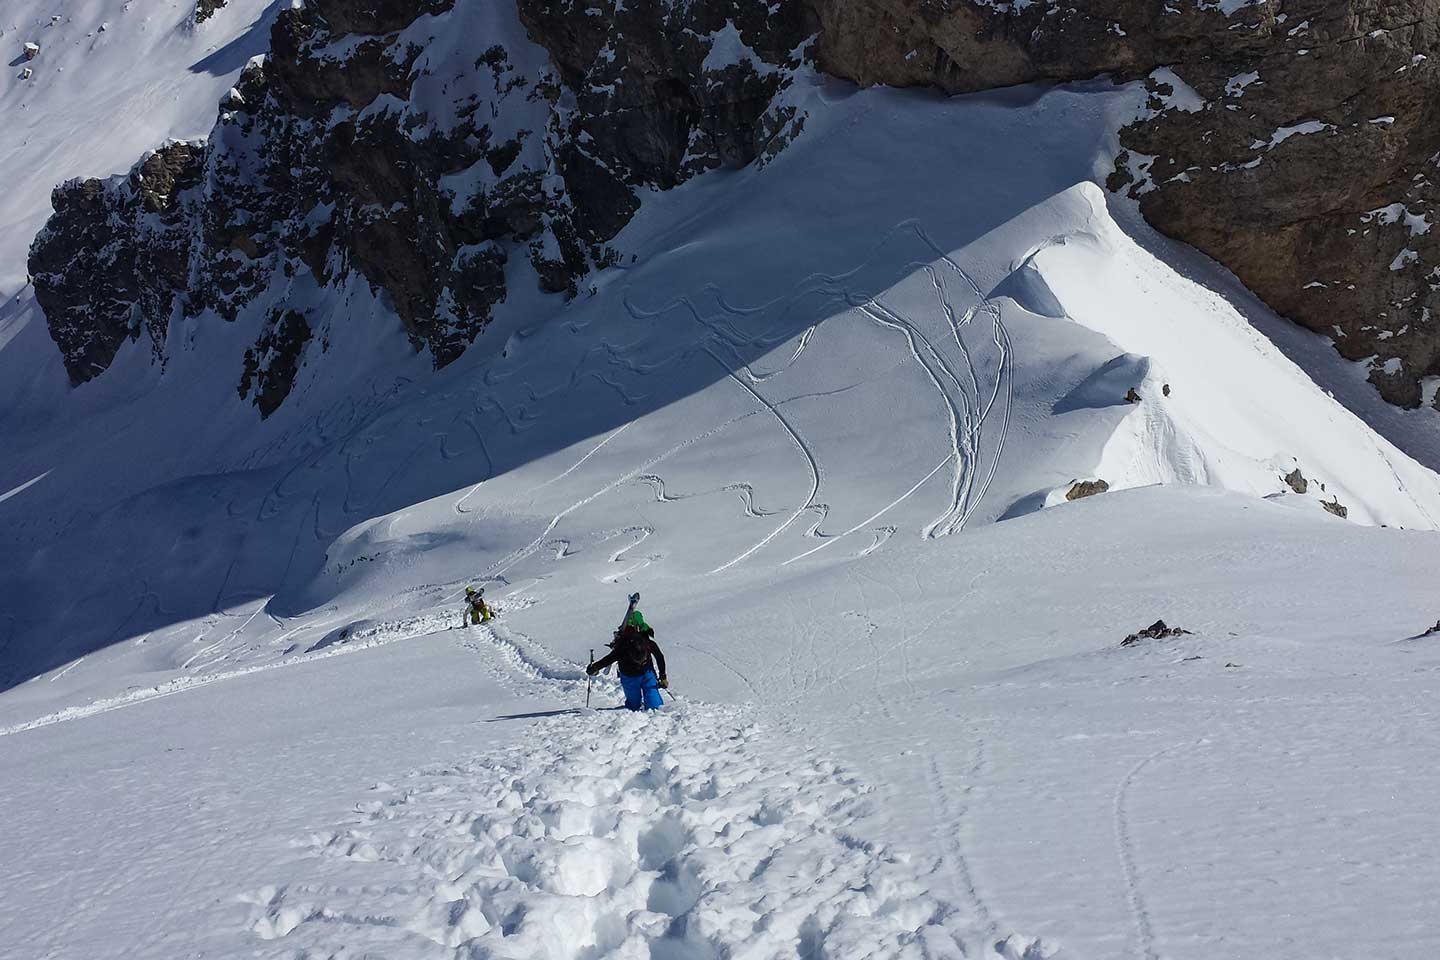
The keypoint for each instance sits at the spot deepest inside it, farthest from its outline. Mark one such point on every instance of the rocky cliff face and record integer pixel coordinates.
(379, 139)
(423, 145)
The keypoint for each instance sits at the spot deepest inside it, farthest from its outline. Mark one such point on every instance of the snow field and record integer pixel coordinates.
(690, 834)
(830, 443)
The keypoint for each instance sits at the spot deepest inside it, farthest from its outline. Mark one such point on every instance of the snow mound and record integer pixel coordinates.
(686, 834)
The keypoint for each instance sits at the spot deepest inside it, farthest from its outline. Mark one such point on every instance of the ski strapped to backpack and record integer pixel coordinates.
(634, 599)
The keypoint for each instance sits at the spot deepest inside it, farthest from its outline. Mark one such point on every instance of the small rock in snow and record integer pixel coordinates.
(32, 50)
(1158, 630)
(1131, 396)
(1086, 488)
(1296, 481)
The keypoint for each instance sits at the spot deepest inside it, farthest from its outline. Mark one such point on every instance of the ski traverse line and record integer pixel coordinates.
(1125, 849)
(876, 516)
(232, 633)
(593, 450)
(71, 666)
(959, 448)
(974, 424)
(799, 349)
(505, 563)
(968, 446)
(795, 438)
(1005, 371)
(187, 682)
(954, 852)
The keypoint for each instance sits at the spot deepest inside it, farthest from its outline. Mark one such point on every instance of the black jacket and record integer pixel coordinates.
(632, 650)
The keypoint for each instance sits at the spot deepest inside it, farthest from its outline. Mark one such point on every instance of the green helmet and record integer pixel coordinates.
(637, 620)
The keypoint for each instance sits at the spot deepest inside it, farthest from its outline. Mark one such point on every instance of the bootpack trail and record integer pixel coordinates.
(687, 833)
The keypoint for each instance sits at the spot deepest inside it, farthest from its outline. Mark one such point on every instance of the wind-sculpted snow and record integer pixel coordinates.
(690, 834)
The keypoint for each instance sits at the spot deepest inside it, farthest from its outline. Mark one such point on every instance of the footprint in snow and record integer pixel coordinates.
(685, 835)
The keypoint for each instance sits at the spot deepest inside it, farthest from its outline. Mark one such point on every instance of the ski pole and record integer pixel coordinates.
(588, 679)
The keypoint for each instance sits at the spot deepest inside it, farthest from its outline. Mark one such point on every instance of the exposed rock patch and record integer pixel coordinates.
(1431, 632)
(379, 141)
(1158, 630)
(1086, 488)
(205, 9)
(271, 365)
(1336, 507)
(1296, 481)
(1295, 142)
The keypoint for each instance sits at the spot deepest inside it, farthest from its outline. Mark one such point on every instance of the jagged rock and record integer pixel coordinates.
(1433, 631)
(1295, 146)
(1335, 507)
(26, 73)
(471, 160)
(114, 260)
(1156, 631)
(1296, 481)
(1165, 389)
(1131, 396)
(1086, 488)
(30, 51)
(272, 363)
(205, 9)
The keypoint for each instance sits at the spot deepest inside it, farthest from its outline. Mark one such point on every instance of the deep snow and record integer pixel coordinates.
(824, 421)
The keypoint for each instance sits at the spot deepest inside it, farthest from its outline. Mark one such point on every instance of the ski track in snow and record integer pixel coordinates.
(745, 490)
(501, 566)
(951, 820)
(364, 639)
(798, 441)
(1125, 850)
(689, 833)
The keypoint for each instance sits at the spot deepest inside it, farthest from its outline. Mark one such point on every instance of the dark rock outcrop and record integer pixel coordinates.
(271, 365)
(1296, 481)
(1158, 630)
(114, 259)
(205, 9)
(1292, 140)
(378, 141)
(1430, 632)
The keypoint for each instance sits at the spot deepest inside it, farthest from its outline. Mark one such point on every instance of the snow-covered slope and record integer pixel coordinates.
(824, 415)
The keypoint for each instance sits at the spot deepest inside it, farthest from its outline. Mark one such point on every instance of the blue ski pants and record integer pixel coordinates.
(642, 692)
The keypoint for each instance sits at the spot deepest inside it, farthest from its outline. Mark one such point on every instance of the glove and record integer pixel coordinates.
(592, 669)
(664, 684)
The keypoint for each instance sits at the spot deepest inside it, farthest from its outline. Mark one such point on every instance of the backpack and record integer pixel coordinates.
(632, 650)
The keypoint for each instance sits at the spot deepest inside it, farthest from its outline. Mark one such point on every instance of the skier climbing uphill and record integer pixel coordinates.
(632, 650)
(476, 609)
